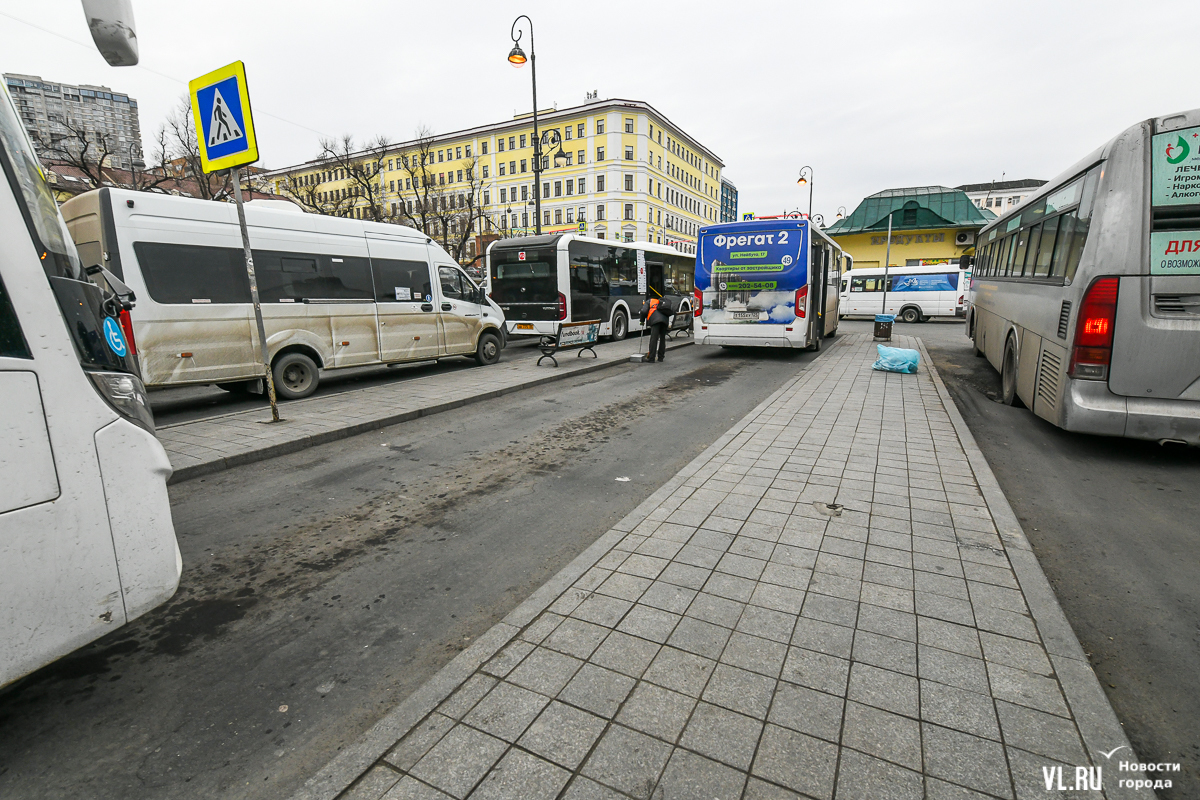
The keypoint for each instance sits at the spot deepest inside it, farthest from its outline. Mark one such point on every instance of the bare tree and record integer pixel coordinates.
(446, 204)
(312, 198)
(179, 155)
(88, 151)
(363, 167)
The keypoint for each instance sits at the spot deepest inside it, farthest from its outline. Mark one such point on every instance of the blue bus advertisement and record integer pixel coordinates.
(752, 272)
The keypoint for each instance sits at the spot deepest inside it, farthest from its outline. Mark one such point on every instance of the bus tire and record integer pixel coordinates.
(815, 347)
(1008, 376)
(620, 326)
(296, 376)
(832, 333)
(488, 351)
(910, 315)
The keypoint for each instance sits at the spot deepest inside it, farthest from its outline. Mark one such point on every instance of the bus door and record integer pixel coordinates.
(817, 285)
(589, 283)
(458, 309)
(408, 323)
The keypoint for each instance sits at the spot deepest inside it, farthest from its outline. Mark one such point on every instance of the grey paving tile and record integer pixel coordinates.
(792, 556)
(752, 548)
(886, 652)
(1015, 653)
(757, 789)
(467, 695)
(717, 610)
(643, 566)
(818, 671)
(563, 734)
(656, 711)
(722, 735)
(601, 610)
(582, 788)
(544, 671)
(824, 637)
(966, 760)
(941, 790)
(576, 638)
(668, 597)
(887, 575)
(889, 555)
(953, 669)
(883, 734)
(680, 574)
(949, 636)
(628, 761)
(807, 711)
(835, 586)
(680, 671)
(826, 608)
(741, 566)
(1006, 623)
(861, 777)
(764, 656)
(506, 711)
(1026, 689)
(598, 690)
(524, 776)
(626, 587)
(881, 688)
(944, 608)
(417, 742)
(626, 654)
(504, 661)
(699, 637)
(541, 627)
(459, 760)
(767, 623)
(778, 598)
(796, 761)
(410, 788)
(689, 776)
(1029, 769)
(649, 623)
(373, 785)
(962, 710)
(740, 690)
(697, 556)
(1041, 733)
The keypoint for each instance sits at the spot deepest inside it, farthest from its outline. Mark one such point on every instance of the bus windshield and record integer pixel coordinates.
(80, 300)
(750, 272)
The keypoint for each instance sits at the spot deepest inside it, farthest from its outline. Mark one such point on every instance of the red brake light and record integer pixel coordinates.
(1092, 353)
(562, 305)
(801, 302)
(699, 295)
(127, 328)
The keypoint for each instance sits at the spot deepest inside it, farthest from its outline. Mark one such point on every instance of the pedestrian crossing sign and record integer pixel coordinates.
(224, 125)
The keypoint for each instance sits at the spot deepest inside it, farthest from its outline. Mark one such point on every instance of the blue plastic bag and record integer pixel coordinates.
(897, 359)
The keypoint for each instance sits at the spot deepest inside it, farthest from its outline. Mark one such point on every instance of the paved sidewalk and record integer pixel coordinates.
(834, 601)
(209, 445)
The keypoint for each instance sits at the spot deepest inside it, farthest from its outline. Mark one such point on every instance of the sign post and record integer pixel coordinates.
(225, 133)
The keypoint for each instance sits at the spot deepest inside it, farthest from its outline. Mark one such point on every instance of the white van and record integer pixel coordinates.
(335, 292)
(86, 539)
(914, 294)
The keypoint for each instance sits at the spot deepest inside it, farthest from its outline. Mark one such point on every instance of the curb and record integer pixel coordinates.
(304, 442)
(355, 760)
(1094, 716)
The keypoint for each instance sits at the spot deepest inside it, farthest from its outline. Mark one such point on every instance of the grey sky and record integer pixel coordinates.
(872, 95)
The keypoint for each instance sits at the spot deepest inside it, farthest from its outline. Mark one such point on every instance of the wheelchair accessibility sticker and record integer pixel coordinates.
(114, 337)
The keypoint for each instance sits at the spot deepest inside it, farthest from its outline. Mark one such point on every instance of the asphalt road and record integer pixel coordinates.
(1115, 524)
(320, 589)
(189, 403)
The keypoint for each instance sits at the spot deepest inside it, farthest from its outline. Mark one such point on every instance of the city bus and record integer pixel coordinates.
(914, 294)
(1086, 298)
(86, 538)
(335, 292)
(542, 281)
(767, 283)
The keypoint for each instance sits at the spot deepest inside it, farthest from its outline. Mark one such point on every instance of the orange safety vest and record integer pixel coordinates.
(652, 306)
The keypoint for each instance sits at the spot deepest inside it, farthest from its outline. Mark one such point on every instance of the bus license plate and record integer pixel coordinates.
(744, 315)
(524, 326)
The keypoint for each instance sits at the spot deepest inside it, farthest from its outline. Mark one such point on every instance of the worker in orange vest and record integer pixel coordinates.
(657, 313)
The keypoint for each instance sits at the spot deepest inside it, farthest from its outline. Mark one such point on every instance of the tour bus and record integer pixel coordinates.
(541, 281)
(86, 538)
(1086, 297)
(335, 292)
(767, 283)
(913, 293)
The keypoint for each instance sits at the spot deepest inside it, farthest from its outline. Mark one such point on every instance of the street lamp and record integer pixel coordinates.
(841, 214)
(517, 58)
(803, 180)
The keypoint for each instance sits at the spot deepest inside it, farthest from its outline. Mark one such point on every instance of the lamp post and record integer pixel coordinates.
(809, 180)
(517, 58)
(887, 262)
(841, 212)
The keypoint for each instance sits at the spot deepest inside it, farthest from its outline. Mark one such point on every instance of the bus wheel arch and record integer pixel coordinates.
(296, 372)
(487, 351)
(619, 323)
(910, 314)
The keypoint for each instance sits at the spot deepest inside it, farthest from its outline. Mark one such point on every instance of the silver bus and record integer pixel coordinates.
(1086, 298)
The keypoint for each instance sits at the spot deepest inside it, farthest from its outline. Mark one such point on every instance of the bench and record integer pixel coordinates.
(571, 334)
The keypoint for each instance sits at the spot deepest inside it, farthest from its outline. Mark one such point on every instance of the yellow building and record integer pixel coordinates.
(624, 172)
(930, 225)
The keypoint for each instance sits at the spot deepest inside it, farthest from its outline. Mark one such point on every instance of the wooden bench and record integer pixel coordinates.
(571, 334)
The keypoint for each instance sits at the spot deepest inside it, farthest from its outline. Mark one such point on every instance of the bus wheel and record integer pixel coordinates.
(910, 315)
(815, 347)
(1008, 376)
(831, 334)
(488, 351)
(295, 376)
(620, 326)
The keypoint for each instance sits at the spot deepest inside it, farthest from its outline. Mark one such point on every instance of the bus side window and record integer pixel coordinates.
(12, 341)
(409, 278)
(184, 273)
(857, 284)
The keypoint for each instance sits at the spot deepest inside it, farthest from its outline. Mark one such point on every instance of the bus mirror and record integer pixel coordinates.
(113, 30)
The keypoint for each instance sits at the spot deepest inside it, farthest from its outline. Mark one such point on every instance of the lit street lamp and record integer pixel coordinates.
(517, 58)
(803, 180)
(841, 214)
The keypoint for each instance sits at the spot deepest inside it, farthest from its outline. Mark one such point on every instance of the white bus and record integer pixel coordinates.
(1086, 297)
(914, 294)
(335, 292)
(86, 539)
(541, 281)
(767, 283)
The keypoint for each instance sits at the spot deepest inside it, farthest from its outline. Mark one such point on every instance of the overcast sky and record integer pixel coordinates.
(872, 95)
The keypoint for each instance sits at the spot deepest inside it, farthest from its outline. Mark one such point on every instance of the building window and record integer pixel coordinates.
(503, 196)
(524, 219)
(570, 188)
(628, 125)
(629, 152)
(570, 159)
(499, 145)
(579, 131)
(599, 153)
(599, 183)
(460, 176)
(524, 193)
(558, 216)
(582, 214)
(512, 143)
(599, 127)
(629, 183)
(523, 169)
(629, 211)
(570, 215)
(545, 217)
(501, 169)
(487, 198)
(483, 147)
(389, 164)
(439, 156)
(558, 189)
(600, 213)
(522, 140)
(1012, 201)
(567, 133)
(582, 181)
(485, 170)
(546, 189)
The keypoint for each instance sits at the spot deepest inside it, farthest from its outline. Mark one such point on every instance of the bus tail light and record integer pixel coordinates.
(801, 302)
(127, 328)
(1092, 353)
(699, 295)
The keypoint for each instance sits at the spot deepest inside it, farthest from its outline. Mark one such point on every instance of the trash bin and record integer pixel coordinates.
(883, 326)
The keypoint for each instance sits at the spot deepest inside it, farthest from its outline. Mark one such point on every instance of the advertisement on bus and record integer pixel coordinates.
(749, 272)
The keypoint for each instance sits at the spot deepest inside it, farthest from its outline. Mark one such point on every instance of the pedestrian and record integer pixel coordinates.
(657, 313)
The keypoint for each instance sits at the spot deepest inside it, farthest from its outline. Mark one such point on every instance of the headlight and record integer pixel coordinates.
(126, 394)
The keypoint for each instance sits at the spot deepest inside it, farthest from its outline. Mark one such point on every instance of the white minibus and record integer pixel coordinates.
(335, 292)
(86, 539)
(914, 294)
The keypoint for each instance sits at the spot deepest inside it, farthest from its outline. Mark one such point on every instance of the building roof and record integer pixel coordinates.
(999, 186)
(732, 185)
(935, 206)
